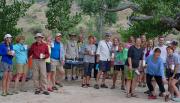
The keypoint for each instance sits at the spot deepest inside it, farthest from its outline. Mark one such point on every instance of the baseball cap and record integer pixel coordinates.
(7, 36)
(58, 34)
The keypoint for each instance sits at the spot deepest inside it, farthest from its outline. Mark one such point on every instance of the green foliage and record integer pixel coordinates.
(93, 8)
(153, 27)
(10, 14)
(59, 16)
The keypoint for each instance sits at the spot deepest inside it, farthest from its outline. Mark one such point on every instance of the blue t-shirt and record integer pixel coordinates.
(155, 68)
(21, 53)
(55, 51)
(4, 53)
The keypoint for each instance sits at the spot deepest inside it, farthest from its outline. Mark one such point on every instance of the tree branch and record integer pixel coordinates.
(140, 18)
(126, 6)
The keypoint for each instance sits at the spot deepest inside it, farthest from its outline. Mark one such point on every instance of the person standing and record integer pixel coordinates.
(80, 43)
(21, 55)
(48, 41)
(71, 50)
(162, 47)
(173, 64)
(134, 62)
(57, 60)
(7, 53)
(120, 56)
(39, 52)
(89, 60)
(104, 57)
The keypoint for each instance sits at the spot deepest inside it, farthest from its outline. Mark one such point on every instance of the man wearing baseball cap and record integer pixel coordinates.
(7, 53)
(103, 57)
(39, 52)
(57, 61)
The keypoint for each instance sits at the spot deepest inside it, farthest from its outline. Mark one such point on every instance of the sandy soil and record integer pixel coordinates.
(73, 93)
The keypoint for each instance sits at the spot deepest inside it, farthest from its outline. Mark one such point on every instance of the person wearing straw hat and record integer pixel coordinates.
(39, 52)
(72, 53)
(7, 53)
(57, 60)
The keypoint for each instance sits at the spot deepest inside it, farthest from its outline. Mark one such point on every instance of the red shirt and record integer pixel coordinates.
(38, 48)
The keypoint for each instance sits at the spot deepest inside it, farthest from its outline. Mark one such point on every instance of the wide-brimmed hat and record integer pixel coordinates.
(39, 35)
(7, 36)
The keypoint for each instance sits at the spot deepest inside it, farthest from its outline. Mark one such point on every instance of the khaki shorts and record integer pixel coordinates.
(56, 66)
(22, 68)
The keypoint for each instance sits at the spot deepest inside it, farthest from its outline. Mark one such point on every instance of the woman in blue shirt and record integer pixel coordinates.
(7, 53)
(21, 51)
(155, 69)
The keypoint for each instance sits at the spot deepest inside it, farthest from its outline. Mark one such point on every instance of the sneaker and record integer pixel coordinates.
(113, 87)
(104, 86)
(50, 89)
(54, 88)
(37, 92)
(46, 93)
(176, 99)
(152, 97)
(96, 86)
(84, 86)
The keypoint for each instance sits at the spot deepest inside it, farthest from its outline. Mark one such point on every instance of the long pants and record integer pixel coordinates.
(39, 74)
(158, 80)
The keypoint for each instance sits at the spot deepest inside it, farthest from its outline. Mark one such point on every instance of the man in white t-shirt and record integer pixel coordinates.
(162, 47)
(103, 57)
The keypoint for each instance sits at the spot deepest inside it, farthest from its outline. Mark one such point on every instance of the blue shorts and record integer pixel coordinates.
(104, 66)
(6, 67)
(88, 69)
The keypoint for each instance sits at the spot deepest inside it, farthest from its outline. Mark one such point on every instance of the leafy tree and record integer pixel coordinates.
(59, 16)
(10, 12)
(94, 9)
(153, 17)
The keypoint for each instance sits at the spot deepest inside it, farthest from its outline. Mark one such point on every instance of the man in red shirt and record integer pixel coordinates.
(39, 52)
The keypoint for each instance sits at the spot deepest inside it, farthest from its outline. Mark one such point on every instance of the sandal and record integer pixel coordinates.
(128, 95)
(8, 93)
(4, 94)
(134, 95)
(84, 86)
(167, 98)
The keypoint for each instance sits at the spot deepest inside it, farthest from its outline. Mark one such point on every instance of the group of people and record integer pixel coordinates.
(139, 62)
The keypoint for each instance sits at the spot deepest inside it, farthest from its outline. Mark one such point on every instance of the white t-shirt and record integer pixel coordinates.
(104, 50)
(163, 52)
